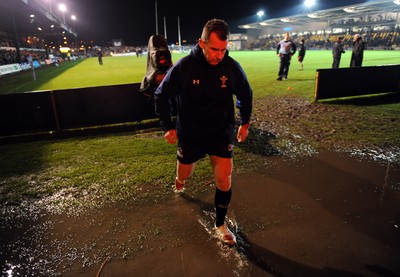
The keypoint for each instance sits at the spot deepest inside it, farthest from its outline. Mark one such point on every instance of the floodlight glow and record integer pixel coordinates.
(62, 7)
(309, 3)
(350, 10)
(260, 13)
(286, 19)
(397, 2)
(316, 15)
(73, 17)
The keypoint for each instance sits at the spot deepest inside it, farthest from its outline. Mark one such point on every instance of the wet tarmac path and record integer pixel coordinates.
(329, 214)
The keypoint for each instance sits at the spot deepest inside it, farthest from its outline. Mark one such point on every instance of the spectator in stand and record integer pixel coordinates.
(337, 52)
(358, 51)
(285, 50)
(302, 53)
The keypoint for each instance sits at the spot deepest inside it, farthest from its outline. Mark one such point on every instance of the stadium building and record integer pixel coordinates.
(32, 25)
(375, 20)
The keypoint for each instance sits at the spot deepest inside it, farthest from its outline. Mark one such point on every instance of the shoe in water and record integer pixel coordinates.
(225, 235)
(179, 186)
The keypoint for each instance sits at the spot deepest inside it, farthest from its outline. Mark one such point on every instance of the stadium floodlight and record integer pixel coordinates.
(309, 3)
(260, 15)
(62, 8)
(397, 2)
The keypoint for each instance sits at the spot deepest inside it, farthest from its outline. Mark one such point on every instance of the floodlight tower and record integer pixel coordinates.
(155, 4)
(50, 9)
(62, 8)
(73, 18)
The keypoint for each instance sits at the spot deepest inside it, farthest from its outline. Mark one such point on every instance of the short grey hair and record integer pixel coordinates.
(218, 26)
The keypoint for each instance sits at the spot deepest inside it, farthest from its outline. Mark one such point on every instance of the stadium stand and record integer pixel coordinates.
(377, 21)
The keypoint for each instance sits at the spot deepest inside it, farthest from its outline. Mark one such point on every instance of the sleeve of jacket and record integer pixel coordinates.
(278, 47)
(293, 48)
(244, 96)
(163, 99)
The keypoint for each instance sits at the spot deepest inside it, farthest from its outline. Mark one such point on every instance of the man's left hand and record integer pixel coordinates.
(243, 132)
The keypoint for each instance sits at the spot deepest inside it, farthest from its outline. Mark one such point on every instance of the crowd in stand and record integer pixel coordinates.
(376, 40)
(9, 56)
(380, 40)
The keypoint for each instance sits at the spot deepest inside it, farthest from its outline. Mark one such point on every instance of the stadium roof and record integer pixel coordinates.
(15, 14)
(331, 15)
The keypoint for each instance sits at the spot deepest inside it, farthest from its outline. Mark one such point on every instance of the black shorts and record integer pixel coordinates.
(190, 153)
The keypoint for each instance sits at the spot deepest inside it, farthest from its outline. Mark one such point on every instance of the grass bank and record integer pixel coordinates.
(93, 169)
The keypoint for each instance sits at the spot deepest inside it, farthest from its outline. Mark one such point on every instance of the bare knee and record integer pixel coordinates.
(223, 183)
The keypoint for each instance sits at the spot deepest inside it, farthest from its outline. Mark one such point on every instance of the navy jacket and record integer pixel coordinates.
(204, 97)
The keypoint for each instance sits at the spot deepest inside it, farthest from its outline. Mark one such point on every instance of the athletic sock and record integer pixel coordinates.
(221, 201)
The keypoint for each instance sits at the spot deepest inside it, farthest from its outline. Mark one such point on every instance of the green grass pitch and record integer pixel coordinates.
(261, 68)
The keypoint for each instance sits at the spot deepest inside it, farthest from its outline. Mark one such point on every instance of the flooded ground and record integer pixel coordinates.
(329, 214)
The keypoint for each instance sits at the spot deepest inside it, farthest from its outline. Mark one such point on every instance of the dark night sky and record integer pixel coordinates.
(116, 19)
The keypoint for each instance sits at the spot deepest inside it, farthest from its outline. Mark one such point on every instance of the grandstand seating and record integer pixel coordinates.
(376, 40)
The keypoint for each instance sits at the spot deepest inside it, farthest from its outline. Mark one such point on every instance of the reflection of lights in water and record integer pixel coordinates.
(227, 252)
(10, 271)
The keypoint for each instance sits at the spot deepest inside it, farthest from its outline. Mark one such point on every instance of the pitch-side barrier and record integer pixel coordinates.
(58, 110)
(356, 81)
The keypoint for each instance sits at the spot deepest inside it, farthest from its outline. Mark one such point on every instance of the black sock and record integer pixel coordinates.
(221, 201)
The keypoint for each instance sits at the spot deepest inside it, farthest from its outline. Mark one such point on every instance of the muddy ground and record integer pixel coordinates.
(305, 210)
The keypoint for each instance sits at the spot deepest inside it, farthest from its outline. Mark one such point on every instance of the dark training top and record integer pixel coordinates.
(204, 98)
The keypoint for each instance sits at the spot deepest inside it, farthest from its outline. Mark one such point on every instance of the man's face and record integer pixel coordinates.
(214, 49)
(286, 36)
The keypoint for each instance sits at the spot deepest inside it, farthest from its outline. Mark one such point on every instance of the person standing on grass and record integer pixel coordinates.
(337, 52)
(358, 51)
(100, 56)
(203, 85)
(285, 50)
(302, 53)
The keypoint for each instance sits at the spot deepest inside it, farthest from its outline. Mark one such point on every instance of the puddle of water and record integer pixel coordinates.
(329, 214)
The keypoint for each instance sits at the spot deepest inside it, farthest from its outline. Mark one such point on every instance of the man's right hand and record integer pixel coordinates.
(170, 136)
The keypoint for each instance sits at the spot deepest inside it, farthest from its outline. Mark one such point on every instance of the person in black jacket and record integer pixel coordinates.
(285, 50)
(358, 51)
(302, 53)
(337, 52)
(100, 56)
(203, 86)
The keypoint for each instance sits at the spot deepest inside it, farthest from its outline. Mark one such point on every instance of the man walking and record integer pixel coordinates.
(203, 85)
(285, 50)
